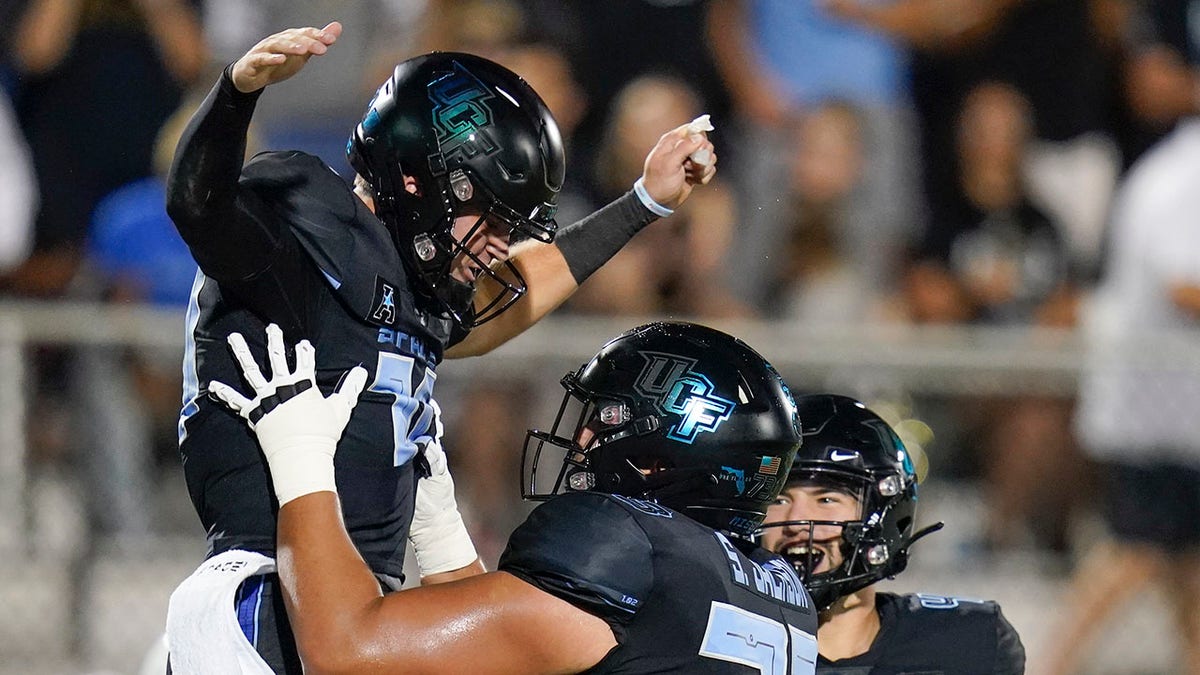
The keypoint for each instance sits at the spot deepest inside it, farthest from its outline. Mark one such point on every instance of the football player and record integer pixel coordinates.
(449, 223)
(846, 520)
(674, 439)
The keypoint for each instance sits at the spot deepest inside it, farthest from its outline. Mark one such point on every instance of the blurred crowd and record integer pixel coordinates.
(881, 162)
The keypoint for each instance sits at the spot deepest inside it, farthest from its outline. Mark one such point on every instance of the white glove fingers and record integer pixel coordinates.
(230, 397)
(241, 352)
(306, 360)
(347, 393)
(277, 352)
(356, 381)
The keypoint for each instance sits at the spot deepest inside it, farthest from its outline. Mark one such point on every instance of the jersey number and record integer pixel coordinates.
(753, 640)
(414, 412)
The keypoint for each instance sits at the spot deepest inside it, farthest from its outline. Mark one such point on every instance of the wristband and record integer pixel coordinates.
(639, 189)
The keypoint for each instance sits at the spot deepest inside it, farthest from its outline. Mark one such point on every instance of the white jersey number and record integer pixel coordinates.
(414, 412)
(774, 648)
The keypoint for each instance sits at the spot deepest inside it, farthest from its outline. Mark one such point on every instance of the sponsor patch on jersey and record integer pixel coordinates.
(383, 306)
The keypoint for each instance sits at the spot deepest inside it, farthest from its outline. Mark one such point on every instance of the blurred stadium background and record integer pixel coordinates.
(915, 204)
(82, 600)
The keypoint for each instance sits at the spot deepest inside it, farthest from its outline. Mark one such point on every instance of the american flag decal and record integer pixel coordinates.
(770, 465)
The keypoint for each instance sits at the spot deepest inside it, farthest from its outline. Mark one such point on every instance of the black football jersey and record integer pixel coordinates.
(935, 635)
(334, 277)
(679, 596)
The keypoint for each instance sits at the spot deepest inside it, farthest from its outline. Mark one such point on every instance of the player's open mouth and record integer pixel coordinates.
(803, 557)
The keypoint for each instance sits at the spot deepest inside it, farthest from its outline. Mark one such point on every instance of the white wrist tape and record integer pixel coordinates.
(302, 468)
(439, 538)
(442, 545)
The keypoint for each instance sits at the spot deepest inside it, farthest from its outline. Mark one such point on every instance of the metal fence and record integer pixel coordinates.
(85, 597)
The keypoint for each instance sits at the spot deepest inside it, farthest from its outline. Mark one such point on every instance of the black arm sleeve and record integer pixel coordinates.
(588, 244)
(230, 232)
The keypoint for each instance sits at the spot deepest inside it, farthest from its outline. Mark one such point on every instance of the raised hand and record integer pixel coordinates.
(670, 173)
(297, 428)
(277, 57)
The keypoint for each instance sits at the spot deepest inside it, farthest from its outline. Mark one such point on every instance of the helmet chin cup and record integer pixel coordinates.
(424, 247)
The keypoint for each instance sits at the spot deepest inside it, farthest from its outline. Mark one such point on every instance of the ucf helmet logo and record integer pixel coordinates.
(461, 113)
(675, 388)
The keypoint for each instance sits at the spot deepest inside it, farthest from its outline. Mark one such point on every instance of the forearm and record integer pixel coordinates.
(208, 160)
(230, 233)
(329, 590)
(549, 284)
(553, 272)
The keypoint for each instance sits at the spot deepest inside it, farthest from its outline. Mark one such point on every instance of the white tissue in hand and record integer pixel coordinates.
(699, 124)
(695, 127)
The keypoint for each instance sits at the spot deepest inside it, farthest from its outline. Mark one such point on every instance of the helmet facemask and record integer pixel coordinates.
(592, 422)
(837, 557)
(435, 249)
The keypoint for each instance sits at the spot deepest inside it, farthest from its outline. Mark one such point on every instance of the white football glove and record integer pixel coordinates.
(297, 428)
(438, 535)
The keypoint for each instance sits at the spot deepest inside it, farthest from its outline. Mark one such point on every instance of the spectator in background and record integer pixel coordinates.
(95, 81)
(611, 43)
(674, 269)
(133, 246)
(1057, 54)
(994, 258)
(816, 272)
(1160, 77)
(780, 59)
(18, 191)
(1138, 398)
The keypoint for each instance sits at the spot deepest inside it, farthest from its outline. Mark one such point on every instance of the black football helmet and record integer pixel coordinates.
(478, 140)
(677, 413)
(848, 446)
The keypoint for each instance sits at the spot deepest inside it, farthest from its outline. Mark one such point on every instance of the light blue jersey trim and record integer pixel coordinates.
(191, 378)
(333, 282)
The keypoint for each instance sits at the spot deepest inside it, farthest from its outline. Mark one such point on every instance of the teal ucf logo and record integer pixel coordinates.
(670, 381)
(461, 113)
